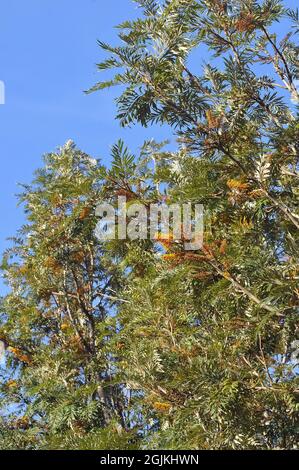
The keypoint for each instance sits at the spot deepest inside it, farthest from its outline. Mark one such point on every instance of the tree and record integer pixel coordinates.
(57, 319)
(208, 335)
(125, 344)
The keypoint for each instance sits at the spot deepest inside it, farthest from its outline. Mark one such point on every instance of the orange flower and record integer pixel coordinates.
(24, 358)
(237, 185)
(162, 407)
(213, 120)
(171, 256)
(256, 193)
(19, 355)
(84, 213)
(78, 256)
(245, 22)
(227, 275)
(12, 350)
(12, 384)
(53, 264)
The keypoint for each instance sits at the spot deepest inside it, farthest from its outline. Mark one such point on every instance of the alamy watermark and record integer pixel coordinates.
(182, 223)
(2, 92)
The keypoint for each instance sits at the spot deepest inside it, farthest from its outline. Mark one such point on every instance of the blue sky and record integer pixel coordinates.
(48, 52)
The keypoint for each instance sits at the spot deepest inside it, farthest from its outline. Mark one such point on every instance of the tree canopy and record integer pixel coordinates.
(142, 344)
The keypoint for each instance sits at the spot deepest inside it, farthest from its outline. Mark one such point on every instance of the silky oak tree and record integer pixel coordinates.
(57, 319)
(208, 336)
(142, 343)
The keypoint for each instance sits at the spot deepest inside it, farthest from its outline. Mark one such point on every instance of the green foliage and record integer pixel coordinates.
(144, 344)
(56, 320)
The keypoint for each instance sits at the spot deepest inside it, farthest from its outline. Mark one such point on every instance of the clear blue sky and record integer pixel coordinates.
(48, 53)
